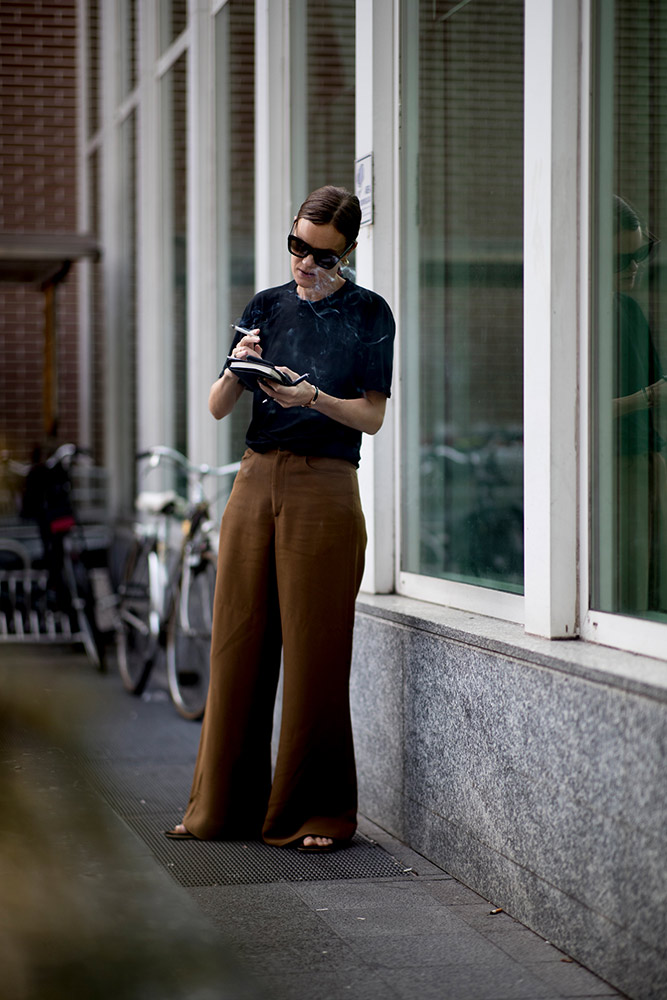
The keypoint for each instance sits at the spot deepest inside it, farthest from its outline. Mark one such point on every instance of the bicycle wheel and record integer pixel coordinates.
(189, 638)
(135, 641)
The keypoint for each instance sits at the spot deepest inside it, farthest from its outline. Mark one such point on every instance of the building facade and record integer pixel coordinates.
(510, 675)
(38, 194)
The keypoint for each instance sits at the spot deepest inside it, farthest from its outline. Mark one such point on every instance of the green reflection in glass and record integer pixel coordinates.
(629, 444)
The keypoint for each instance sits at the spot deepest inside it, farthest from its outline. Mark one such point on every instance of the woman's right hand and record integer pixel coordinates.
(248, 344)
(227, 390)
(658, 392)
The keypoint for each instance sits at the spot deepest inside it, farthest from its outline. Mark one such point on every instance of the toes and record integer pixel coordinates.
(317, 841)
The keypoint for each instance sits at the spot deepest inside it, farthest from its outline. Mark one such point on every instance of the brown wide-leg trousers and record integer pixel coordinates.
(291, 556)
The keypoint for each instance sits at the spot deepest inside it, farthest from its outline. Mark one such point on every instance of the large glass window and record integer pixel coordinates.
(462, 385)
(172, 20)
(128, 274)
(174, 246)
(322, 110)
(235, 182)
(98, 354)
(629, 197)
(93, 66)
(128, 38)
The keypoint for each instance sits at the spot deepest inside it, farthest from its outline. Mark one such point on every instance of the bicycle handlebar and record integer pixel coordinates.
(160, 451)
(64, 455)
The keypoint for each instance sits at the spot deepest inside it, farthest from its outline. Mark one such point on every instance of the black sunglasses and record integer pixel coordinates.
(323, 258)
(623, 260)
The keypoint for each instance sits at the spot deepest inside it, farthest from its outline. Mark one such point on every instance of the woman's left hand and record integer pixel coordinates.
(365, 413)
(289, 395)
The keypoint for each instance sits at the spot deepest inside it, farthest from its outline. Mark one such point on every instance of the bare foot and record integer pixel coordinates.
(180, 828)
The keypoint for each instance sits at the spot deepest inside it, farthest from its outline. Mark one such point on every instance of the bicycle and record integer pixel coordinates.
(47, 595)
(165, 597)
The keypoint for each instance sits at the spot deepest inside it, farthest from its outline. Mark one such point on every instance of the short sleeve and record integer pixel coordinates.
(379, 334)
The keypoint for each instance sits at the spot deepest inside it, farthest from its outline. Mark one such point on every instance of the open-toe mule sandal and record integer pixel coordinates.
(179, 835)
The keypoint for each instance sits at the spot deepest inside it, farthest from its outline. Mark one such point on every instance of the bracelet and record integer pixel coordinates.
(314, 399)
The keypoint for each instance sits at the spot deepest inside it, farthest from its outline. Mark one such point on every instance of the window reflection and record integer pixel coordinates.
(128, 275)
(173, 20)
(98, 355)
(463, 328)
(330, 94)
(93, 65)
(174, 220)
(639, 408)
(235, 183)
(629, 564)
(128, 37)
(322, 96)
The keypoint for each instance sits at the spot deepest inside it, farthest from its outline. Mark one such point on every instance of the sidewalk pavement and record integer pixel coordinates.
(95, 902)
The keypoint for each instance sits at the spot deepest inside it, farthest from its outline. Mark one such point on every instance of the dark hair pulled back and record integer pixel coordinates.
(626, 218)
(335, 206)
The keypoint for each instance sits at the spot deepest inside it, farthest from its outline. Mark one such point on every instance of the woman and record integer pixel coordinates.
(292, 547)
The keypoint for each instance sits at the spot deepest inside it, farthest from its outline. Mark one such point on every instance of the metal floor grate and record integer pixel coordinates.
(150, 798)
(252, 862)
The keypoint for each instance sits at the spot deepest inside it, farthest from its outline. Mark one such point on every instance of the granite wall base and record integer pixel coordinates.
(544, 790)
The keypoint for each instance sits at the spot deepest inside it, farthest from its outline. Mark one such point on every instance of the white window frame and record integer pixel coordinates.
(378, 260)
(272, 141)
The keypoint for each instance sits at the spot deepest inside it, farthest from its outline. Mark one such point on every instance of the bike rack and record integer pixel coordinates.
(24, 616)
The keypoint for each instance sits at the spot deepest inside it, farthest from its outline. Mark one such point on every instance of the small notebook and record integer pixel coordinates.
(250, 370)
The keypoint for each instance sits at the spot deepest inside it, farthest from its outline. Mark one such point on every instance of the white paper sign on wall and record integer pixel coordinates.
(363, 186)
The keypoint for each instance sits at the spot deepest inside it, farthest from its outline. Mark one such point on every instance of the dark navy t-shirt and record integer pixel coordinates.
(345, 342)
(637, 366)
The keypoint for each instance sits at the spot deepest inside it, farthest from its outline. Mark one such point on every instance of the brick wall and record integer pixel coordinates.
(37, 193)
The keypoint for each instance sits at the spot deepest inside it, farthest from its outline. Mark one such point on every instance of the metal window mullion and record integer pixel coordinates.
(551, 199)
